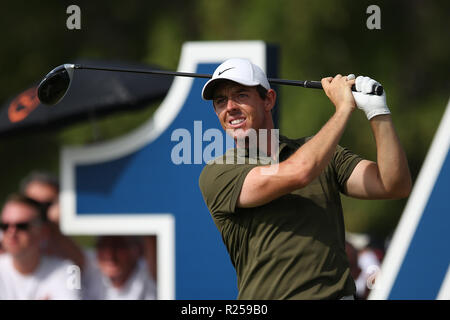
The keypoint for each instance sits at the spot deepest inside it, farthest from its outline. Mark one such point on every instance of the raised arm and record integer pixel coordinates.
(309, 160)
(389, 177)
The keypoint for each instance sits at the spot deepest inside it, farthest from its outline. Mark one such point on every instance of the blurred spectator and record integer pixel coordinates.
(365, 253)
(44, 188)
(369, 261)
(117, 271)
(370, 265)
(25, 273)
(40, 186)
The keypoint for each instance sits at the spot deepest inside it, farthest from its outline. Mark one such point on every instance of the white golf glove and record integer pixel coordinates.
(371, 104)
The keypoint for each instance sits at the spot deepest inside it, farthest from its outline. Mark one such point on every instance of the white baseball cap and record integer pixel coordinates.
(238, 70)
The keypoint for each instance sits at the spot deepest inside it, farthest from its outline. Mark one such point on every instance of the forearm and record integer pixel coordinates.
(391, 159)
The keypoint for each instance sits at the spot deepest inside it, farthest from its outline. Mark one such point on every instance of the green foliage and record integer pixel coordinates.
(409, 56)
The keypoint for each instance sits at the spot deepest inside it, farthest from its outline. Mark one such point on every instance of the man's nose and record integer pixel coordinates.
(231, 105)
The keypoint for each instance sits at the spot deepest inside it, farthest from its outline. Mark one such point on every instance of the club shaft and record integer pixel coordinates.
(299, 83)
(146, 71)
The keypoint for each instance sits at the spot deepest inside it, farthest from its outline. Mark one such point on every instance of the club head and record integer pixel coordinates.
(55, 85)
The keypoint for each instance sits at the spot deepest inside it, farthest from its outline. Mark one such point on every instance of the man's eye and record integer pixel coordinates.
(219, 101)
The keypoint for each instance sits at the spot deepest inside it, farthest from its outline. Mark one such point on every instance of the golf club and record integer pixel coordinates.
(56, 83)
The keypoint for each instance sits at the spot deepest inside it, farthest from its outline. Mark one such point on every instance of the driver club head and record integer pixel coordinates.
(55, 85)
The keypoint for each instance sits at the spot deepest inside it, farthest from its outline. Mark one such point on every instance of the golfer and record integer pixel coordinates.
(284, 228)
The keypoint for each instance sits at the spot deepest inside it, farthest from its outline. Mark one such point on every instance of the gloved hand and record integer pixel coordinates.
(371, 104)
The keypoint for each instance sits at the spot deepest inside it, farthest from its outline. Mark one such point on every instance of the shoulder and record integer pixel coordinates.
(55, 262)
(217, 166)
(226, 168)
(5, 259)
(53, 267)
(5, 263)
(54, 275)
(220, 183)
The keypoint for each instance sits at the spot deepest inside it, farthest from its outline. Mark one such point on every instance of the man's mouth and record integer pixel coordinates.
(236, 123)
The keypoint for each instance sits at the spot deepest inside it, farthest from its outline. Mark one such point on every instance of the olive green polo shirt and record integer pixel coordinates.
(292, 247)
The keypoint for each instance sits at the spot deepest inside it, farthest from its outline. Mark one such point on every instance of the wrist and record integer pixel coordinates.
(344, 110)
(381, 117)
(375, 113)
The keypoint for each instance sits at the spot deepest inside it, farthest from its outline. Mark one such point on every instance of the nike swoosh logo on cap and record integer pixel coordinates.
(220, 72)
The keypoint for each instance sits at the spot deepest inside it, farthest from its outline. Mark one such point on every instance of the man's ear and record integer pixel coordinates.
(271, 97)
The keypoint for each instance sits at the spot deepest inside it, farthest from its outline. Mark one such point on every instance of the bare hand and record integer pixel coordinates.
(338, 89)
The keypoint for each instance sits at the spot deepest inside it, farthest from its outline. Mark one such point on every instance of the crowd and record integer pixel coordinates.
(37, 260)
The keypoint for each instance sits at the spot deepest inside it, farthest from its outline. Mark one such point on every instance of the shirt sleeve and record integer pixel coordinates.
(221, 185)
(344, 162)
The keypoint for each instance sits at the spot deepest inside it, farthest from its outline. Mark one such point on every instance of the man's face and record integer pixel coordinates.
(23, 234)
(116, 256)
(41, 192)
(240, 109)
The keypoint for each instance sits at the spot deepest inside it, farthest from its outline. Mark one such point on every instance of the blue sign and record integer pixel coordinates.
(137, 184)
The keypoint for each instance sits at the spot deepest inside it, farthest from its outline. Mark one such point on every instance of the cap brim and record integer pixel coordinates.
(210, 86)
